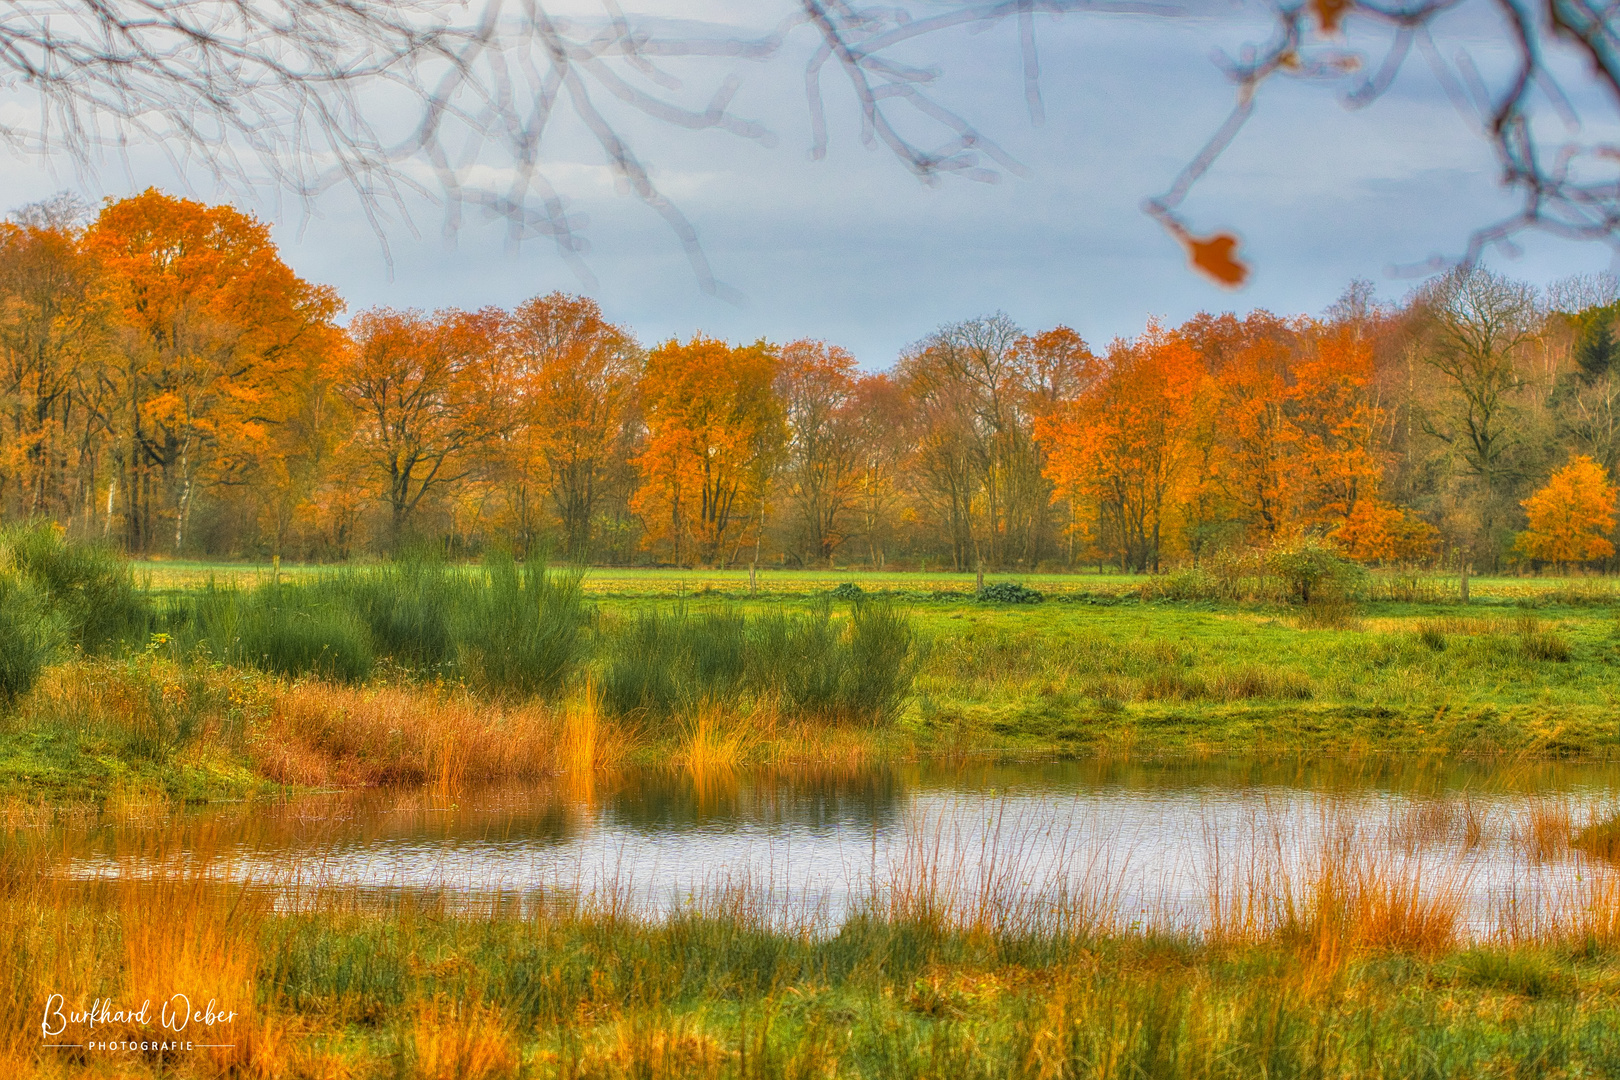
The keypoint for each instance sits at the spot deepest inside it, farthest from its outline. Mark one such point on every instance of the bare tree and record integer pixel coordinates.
(1567, 184)
(1477, 324)
(311, 94)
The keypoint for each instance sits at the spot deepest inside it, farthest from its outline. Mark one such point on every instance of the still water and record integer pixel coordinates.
(1168, 845)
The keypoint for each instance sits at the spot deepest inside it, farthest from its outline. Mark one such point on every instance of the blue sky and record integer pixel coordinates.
(854, 249)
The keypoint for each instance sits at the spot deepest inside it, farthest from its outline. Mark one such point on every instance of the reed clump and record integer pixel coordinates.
(322, 735)
(668, 664)
(511, 630)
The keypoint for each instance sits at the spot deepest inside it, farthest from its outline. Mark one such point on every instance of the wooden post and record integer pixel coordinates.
(751, 568)
(275, 569)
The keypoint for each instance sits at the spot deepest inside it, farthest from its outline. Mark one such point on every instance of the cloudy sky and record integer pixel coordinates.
(854, 249)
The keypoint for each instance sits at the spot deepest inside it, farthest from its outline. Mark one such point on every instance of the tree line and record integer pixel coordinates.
(171, 386)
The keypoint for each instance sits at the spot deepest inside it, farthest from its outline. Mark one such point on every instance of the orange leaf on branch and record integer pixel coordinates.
(1330, 13)
(1216, 257)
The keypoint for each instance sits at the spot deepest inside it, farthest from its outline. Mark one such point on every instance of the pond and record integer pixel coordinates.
(1180, 846)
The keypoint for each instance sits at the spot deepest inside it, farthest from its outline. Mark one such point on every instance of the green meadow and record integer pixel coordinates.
(135, 691)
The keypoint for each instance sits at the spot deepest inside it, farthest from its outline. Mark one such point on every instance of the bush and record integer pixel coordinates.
(91, 588)
(28, 636)
(523, 633)
(846, 591)
(1008, 592)
(1311, 569)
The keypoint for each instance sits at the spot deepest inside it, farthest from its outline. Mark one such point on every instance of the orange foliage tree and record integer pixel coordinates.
(714, 433)
(213, 328)
(576, 379)
(428, 393)
(1121, 447)
(1332, 427)
(821, 467)
(1571, 518)
(53, 336)
(1376, 531)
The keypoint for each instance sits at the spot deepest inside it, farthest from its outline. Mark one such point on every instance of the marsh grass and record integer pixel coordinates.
(1353, 968)
(59, 599)
(667, 664)
(511, 630)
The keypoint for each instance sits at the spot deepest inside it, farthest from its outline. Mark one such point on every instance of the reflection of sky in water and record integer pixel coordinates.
(1153, 852)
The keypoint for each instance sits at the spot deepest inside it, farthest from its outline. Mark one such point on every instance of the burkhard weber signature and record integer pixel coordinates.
(180, 1025)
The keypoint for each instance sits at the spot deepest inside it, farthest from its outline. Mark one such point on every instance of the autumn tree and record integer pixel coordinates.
(427, 392)
(821, 466)
(1332, 424)
(576, 379)
(884, 438)
(1248, 394)
(714, 433)
(1572, 518)
(1379, 532)
(212, 327)
(54, 334)
(1122, 446)
(1054, 367)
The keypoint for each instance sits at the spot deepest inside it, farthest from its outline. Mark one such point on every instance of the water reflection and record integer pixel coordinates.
(1178, 844)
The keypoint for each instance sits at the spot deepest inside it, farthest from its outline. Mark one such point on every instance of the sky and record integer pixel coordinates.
(855, 250)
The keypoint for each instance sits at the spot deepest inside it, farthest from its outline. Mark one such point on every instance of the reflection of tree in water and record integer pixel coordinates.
(816, 798)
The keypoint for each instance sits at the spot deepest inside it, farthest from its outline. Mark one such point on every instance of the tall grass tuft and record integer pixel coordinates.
(407, 606)
(883, 661)
(90, 588)
(283, 629)
(28, 633)
(523, 635)
(667, 664)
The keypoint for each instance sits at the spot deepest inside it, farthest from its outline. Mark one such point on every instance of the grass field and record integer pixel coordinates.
(171, 576)
(235, 690)
(1104, 666)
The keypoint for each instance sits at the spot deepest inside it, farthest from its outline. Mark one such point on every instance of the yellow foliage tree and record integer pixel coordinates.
(1571, 518)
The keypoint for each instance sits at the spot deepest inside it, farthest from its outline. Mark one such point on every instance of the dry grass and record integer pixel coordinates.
(1543, 831)
(323, 735)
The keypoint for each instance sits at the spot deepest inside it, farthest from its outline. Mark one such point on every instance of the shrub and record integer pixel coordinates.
(1309, 568)
(28, 635)
(90, 587)
(847, 591)
(1009, 592)
(523, 633)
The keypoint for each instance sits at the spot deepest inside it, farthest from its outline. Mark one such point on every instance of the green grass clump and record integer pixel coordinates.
(408, 608)
(521, 630)
(27, 636)
(284, 629)
(666, 663)
(89, 588)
